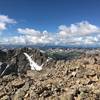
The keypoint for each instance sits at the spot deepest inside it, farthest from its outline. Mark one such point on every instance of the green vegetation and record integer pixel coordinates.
(64, 55)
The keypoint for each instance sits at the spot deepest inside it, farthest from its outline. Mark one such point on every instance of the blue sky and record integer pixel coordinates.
(44, 18)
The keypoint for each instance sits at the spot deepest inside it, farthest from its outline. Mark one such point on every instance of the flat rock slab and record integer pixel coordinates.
(18, 83)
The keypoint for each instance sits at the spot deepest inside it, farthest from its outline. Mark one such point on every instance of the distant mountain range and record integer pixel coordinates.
(48, 46)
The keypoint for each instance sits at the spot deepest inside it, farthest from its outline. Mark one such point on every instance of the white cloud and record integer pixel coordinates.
(82, 28)
(4, 20)
(2, 26)
(31, 36)
(91, 40)
(28, 31)
(82, 33)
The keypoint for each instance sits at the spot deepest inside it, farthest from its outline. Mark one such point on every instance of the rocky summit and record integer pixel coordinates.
(70, 79)
(17, 62)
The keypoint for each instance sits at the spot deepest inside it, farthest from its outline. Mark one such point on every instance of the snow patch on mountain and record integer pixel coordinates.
(33, 64)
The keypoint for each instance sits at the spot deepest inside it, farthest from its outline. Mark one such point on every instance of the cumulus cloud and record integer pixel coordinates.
(82, 28)
(4, 20)
(2, 26)
(82, 33)
(30, 36)
(91, 40)
(29, 31)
